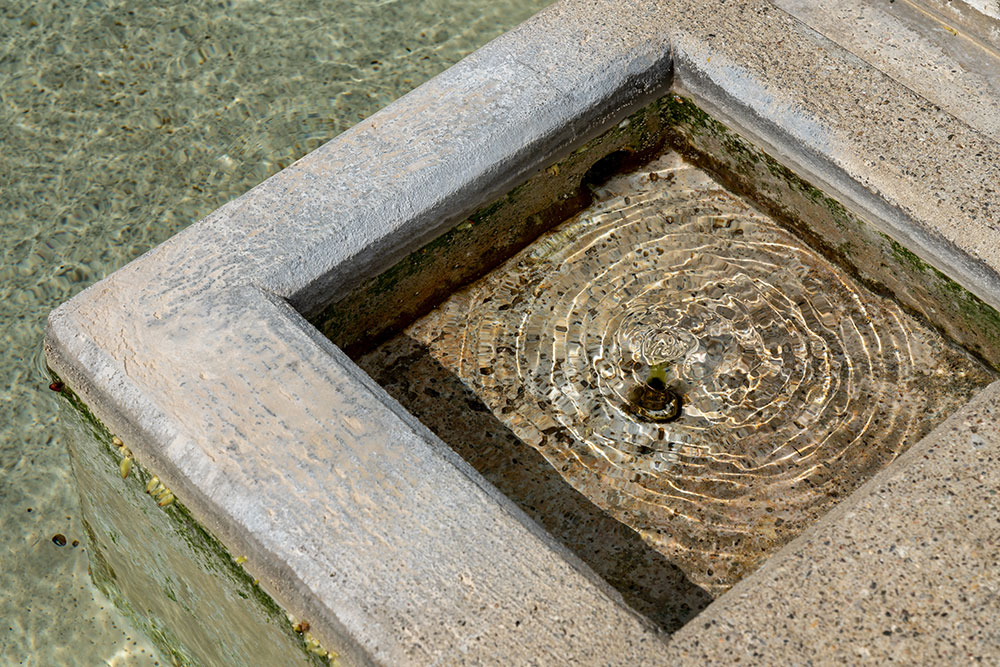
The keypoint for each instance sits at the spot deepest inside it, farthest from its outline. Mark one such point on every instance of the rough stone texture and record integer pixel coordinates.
(957, 68)
(906, 570)
(357, 518)
(897, 160)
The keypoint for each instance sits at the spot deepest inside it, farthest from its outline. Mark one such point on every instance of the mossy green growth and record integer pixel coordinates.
(905, 257)
(978, 315)
(658, 372)
(876, 259)
(691, 123)
(476, 244)
(116, 509)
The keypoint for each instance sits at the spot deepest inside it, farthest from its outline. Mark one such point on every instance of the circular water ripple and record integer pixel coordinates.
(793, 382)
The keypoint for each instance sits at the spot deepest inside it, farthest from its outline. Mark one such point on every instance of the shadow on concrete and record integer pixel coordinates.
(648, 582)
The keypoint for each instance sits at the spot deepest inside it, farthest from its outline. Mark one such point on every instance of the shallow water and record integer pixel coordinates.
(120, 125)
(795, 382)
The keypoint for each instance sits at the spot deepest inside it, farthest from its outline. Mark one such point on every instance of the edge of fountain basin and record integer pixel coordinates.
(318, 472)
(167, 337)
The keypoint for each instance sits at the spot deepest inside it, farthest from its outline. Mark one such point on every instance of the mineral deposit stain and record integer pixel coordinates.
(690, 368)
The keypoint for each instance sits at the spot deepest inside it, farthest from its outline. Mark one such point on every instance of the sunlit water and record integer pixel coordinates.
(795, 382)
(121, 123)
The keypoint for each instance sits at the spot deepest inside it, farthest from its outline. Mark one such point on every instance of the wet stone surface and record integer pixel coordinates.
(673, 385)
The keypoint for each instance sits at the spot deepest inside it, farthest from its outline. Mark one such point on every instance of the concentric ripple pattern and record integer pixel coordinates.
(795, 382)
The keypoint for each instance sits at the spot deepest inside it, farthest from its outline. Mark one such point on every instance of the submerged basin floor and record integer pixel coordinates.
(795, 383)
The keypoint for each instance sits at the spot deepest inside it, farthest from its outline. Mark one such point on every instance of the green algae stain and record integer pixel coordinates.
(744, 157)
(170, 529)
(767, 182)
(906, 257)
(978, 315)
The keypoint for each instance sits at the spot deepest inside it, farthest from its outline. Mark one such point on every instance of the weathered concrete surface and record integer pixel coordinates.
(906, 570)
(946, 55)
(354, 516)
(888, 154)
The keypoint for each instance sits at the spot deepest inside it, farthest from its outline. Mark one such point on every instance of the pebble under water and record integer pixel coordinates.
(795, 383)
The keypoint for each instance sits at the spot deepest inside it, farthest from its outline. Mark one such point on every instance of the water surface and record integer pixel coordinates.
(795, 384)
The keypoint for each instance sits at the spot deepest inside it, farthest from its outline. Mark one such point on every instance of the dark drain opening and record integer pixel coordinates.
(606, 168)
(654, 402)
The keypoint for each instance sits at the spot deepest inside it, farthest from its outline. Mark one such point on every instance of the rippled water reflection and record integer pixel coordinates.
(796, 383)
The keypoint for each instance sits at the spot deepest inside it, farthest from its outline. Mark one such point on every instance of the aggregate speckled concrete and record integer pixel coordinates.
(354, 516)
(952, 62)
(906, 570)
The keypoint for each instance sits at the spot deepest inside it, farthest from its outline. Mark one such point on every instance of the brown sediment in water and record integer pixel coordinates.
(794, 383)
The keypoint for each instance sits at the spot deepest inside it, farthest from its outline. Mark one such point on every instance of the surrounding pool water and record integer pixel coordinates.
(794, 382)
(120, 124)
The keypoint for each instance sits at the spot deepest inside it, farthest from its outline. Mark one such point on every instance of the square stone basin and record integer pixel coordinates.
(674, 385)
(830, 255)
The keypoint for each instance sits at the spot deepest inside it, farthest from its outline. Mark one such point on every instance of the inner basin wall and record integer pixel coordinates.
(383, 305)
(672, 358)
